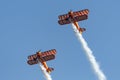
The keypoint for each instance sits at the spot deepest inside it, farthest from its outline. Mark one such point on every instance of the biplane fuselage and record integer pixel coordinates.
(71, 16)
(74, 17)
(43, 62)
(42, 57)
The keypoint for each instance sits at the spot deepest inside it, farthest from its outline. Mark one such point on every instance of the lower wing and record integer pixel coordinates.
(70, 20)
(32, 62)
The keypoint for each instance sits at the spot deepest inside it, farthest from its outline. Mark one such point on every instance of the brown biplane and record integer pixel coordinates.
(42, 57)
(74, 17)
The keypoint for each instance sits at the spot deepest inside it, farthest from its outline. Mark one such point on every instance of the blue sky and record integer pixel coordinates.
(27, 26)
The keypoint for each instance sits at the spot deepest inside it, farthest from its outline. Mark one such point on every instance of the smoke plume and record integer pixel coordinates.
(46, 74)
(90, 56)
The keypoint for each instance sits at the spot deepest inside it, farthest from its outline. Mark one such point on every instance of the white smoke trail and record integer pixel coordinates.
(90, 55)
(46, 74)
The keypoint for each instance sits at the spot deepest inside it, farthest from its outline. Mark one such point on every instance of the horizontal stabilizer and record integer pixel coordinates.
(49, 70)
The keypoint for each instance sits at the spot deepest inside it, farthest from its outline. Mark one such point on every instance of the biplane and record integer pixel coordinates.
(42, 57)
(74, 17)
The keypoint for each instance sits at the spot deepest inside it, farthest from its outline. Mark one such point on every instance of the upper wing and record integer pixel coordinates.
(64, 16)
(48, 55)
(76, 14)
(32, 59)
(81, 12)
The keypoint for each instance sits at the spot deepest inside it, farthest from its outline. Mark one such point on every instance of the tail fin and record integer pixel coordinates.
(49, 70)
